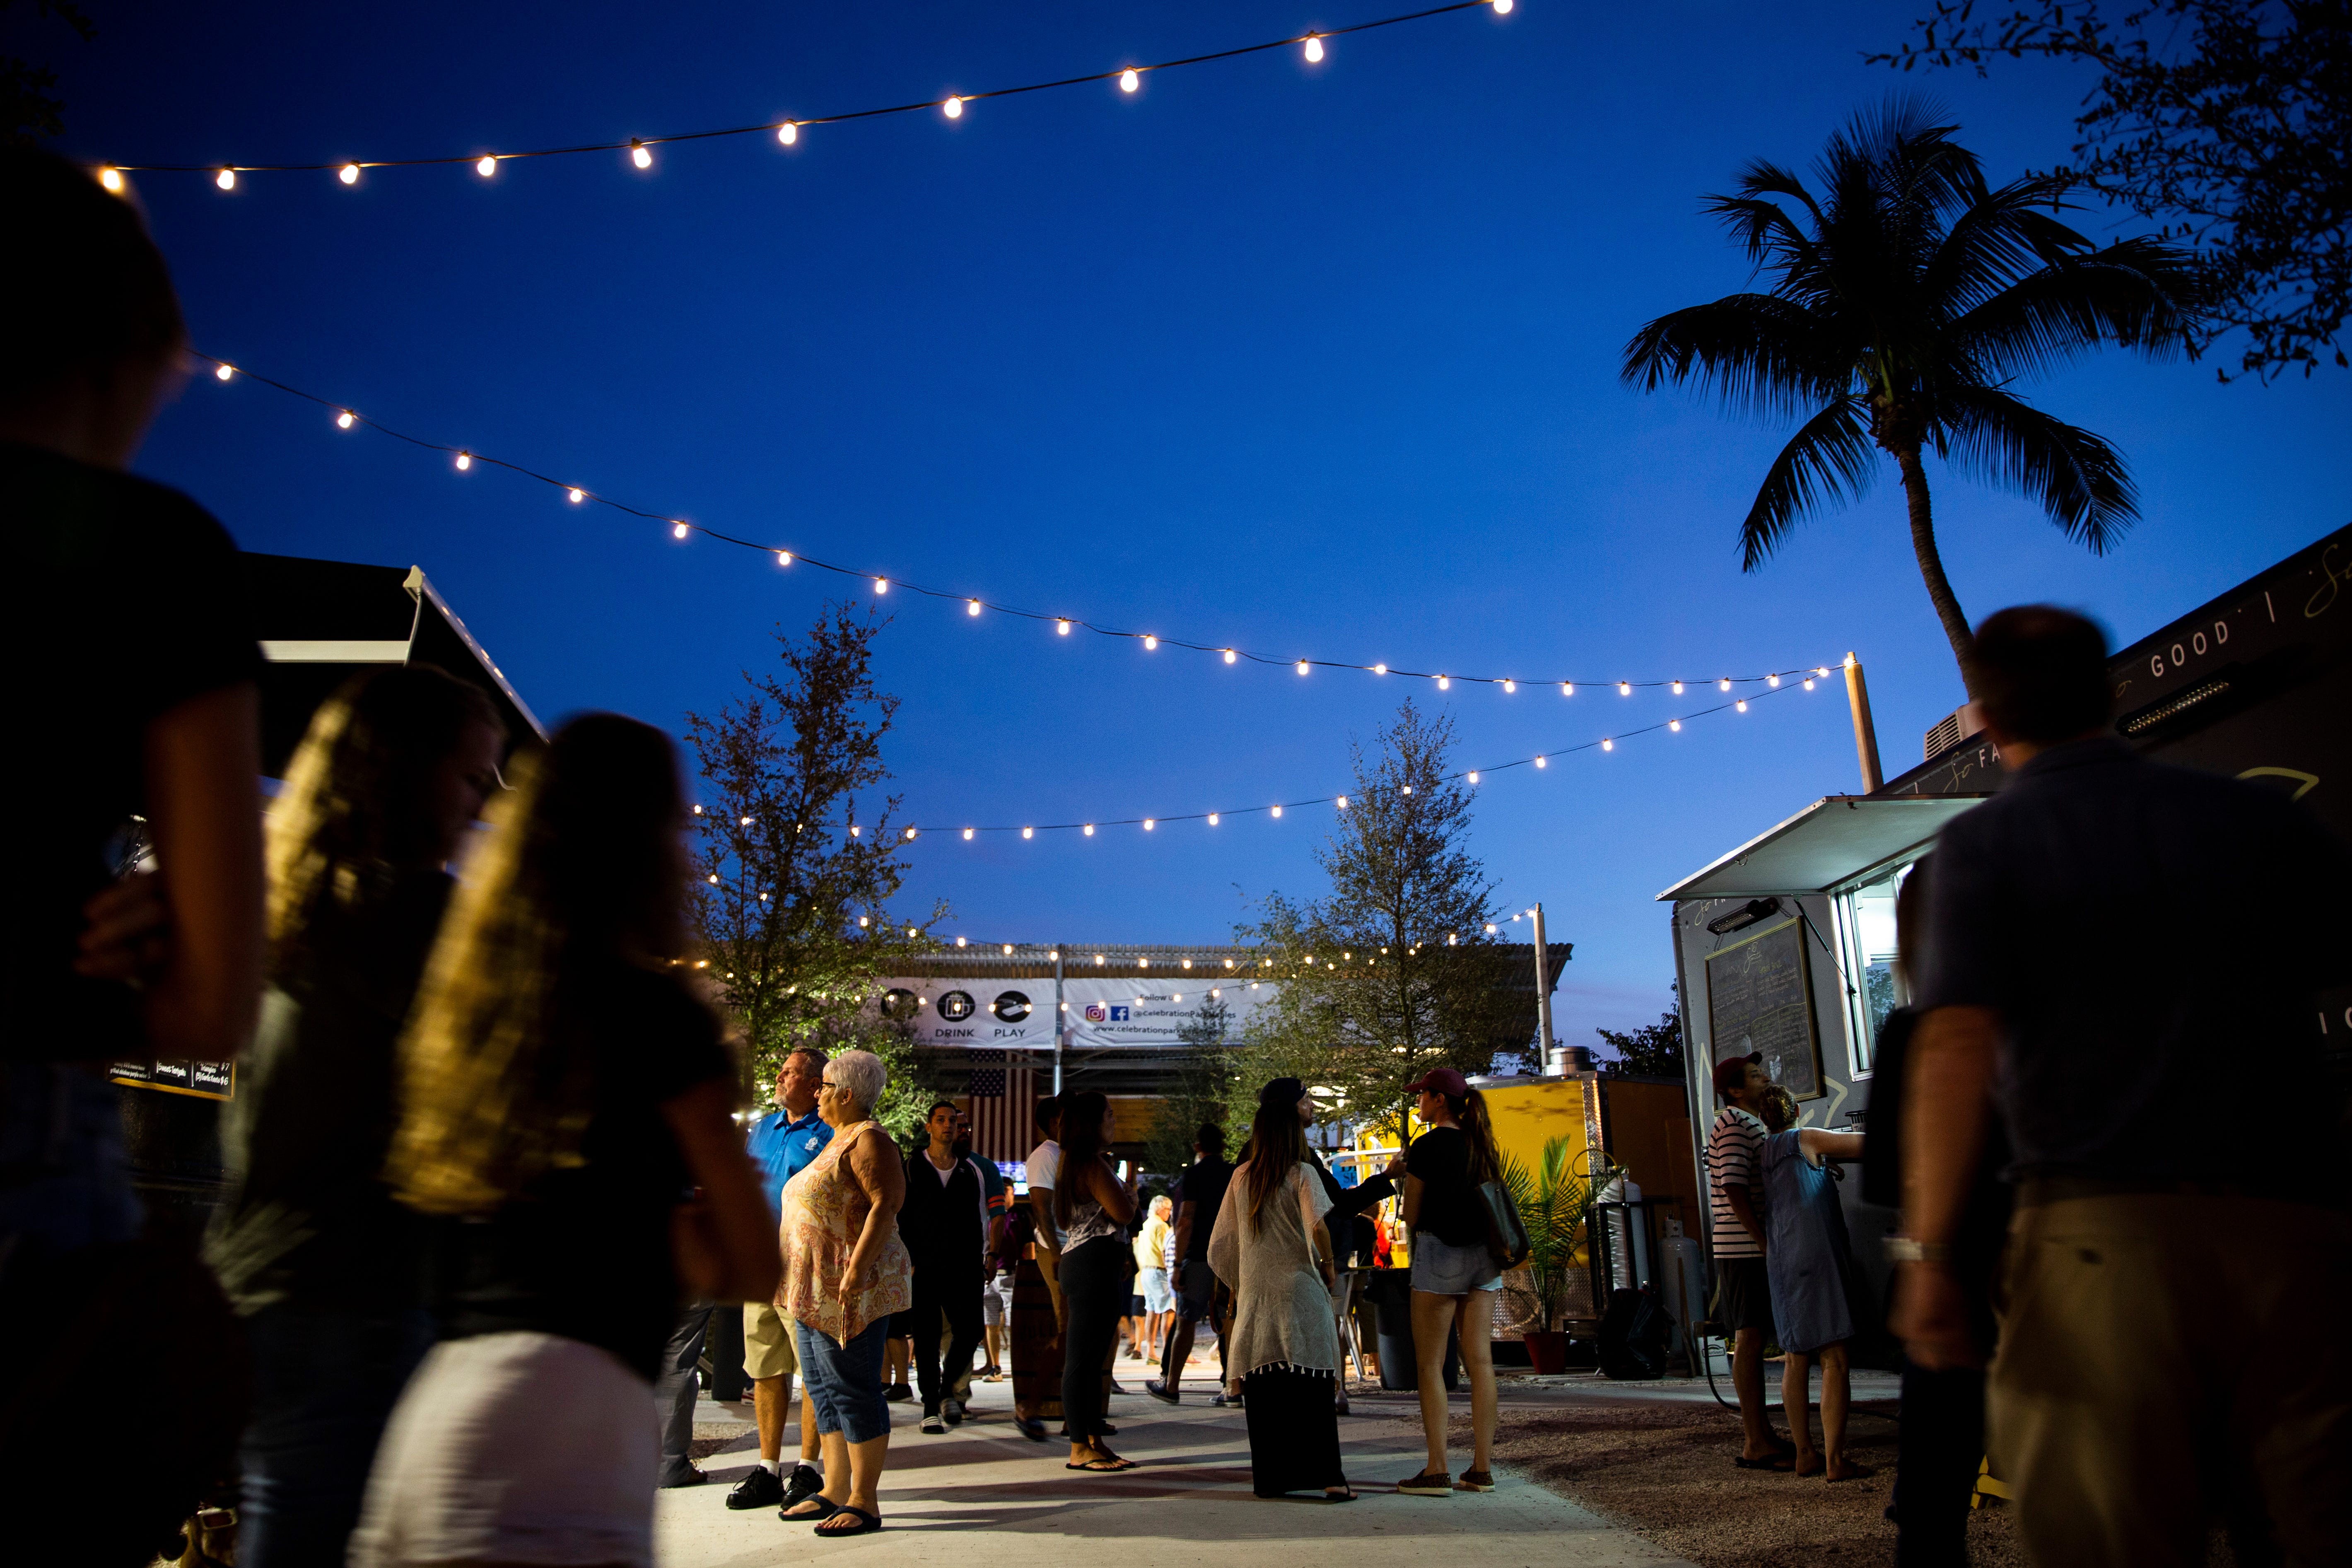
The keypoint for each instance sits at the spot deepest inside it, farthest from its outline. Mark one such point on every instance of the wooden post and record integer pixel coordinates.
(1866, 734)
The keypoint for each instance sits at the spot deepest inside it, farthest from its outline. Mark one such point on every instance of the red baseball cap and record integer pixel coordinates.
(1444, 1080)
(1732, 1071)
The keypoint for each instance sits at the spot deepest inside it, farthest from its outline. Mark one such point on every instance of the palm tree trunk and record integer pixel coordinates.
(1931, 568)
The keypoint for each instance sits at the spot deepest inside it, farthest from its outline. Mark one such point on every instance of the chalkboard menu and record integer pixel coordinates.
(206, 1080)
(1761, 998)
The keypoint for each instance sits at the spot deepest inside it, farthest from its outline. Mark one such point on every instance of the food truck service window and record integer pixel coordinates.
(1866, 921)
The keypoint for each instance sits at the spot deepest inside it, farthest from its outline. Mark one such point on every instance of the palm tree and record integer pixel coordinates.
(1902, 308)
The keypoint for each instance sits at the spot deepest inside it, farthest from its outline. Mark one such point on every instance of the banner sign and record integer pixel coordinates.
(997, 1015)
(204, 1080)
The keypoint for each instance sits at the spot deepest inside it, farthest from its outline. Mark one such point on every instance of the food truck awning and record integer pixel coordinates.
(1829, 841)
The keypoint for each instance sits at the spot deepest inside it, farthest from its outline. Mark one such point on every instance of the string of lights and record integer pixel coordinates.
(1312, 44)
(1471, 776)
(883, 584)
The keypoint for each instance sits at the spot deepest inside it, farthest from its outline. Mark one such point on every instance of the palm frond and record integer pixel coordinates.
(1994, 243)
(1832, 459)
(2140, 294)
(2080, 480)
(1766, 232)
(1758, 353)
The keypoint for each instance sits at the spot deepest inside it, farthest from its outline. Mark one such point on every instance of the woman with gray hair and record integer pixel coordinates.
(846, 1272)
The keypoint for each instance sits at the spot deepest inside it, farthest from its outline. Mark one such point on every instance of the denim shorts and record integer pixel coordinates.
(844, 1382)
(1157, 1296)
(1442, 1269)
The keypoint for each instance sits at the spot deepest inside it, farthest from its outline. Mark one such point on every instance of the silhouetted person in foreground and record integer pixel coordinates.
(2129, 953)
(134, 724)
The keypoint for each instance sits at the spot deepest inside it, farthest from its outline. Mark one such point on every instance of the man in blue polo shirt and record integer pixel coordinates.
(783, 1142)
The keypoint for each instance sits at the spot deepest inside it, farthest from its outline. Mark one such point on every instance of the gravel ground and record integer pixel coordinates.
(1665, 1471)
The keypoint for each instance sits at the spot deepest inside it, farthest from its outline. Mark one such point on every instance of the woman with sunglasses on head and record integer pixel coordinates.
(567, 1102)
(1455, 1275)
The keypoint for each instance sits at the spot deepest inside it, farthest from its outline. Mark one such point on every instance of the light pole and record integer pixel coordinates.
(1544, 1042)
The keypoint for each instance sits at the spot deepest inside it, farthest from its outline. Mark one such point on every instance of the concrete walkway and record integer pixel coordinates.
(1188, 1506)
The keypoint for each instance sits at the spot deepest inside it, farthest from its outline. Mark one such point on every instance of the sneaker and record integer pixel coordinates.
(1435, 1484)
(934, 1427)
(1162, 1392)
(953, 1410)
(1116, 1387)
(898, 1392)
(1475, 1482)
(805, 1483)
(762, 1488)
(1223, 1399)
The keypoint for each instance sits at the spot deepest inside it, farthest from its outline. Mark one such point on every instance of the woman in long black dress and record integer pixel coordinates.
(1271, 1248)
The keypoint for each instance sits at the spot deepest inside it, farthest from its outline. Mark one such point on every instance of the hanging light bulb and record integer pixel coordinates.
(1302, 667)
(641, 155)
(1127, 80)
(1443, 683)
(1567, 688)
(1490, 928)
(1724, 685)
(1675, 725)
(226, 179)
(349, 174)
(677, 531)
(223, 372)
(861, 922)
(1809, 683)
(1229, 655)
(1313, 49)
(783, 557)
(487, 167)
(1343, 803)
(1502, 7)
(881, 587)
(971, 607)
(1213, 819)
(1277, 811)
(953, 108)
(1028, 833)
(1062, 627)
(1147, 825)
(1509, 687)
(110, 178)
(1823, 673)
(1008, 950)
(1090, 830)
(464, 461)
(1741, 705)
(910, 833)
(788, 133)
(714, 878)
(1624, 689)
(967, 832)
(343, 420)
(1608, 745)
(1408, 789)
(1540, 762)
(1150, 642)
(959, 941)
(1379, 669)
(1678, 688)
(1773, 679)
(1474, 776)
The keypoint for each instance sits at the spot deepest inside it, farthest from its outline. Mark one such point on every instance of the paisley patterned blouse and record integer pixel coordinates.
(824, 1213)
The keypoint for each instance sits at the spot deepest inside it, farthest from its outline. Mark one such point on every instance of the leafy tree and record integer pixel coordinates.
(1905, 301)
(1197, 1093)
(1654, 1050)
(28, 115)
(798, 862)
(1392, 973)
(2228, 121)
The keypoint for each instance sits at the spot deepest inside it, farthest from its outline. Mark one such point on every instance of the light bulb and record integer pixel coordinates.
(910, 931)
(223, 372)
(1408, 789)
(487, 167)
(1773, 679)
(783, 557)
(1028, 833)
(1213, 819)
(677, 531)
(1675, 725)
(577, 495)
(112, 178)
(1442, 683)
(1229, 655)
(1215, 992)
(959, 941)
(1090, 830)
(1128, 81)
(910, 833)
(1008, 950)
(1809, 683)
(1062, 627)
(881, 587)
(226, 179)
(349, 174)
(1277, 811)
(1150, 642)
(1502, 7)
(971, 607)
(1724, 685)
(1608, 745)
(1490, 929)
(1147, 825)
(953, 108)
(1474, 776)
(856, 832)
(967, 832)
(1741, 705)
(1343, 803)
(861, 922)
(1823, 671)
(1379, 669)
(1302, 667)
(1313, 49)
(1567, 688)
(1540, 762)
(1510, 686)
(343, 420)
(1678, 688)
(743, 822)
(1624, 689)
(464, 461)
(641, 155)
(788, 133)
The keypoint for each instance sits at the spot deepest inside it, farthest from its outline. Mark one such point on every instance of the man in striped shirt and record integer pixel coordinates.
(1736, 1211)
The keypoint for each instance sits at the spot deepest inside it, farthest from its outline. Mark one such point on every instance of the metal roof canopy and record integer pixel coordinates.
(1835, 838)
(322, 620)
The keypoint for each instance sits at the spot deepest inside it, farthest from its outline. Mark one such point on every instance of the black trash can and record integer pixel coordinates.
(1390, 1291)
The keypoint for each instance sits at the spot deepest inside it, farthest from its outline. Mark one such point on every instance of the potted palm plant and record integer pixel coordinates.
(1554, 1203)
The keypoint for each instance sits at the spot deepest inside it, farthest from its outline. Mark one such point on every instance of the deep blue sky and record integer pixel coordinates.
(1316, 360)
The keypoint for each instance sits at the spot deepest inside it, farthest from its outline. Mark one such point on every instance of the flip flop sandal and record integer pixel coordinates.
(825, 1508)
(1347, 1496)
(868, 1523)
(1103, 1467)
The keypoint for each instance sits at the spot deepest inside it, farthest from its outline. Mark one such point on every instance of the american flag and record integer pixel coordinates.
(1003, 1107)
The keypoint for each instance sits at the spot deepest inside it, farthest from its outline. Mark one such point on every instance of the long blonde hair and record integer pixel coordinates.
(582, 869)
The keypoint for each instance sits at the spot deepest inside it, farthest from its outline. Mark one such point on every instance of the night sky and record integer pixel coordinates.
(1315, 360)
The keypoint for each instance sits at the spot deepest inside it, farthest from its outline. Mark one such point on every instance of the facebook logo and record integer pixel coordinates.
(1118, 1012)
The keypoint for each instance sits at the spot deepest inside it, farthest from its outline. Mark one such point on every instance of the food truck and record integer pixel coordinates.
(1786, 944)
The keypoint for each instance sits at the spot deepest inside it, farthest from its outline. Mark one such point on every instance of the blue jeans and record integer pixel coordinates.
(324, 1383)
(843, 1382)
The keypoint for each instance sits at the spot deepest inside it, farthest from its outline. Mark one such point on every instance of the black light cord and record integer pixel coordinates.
(769, 127)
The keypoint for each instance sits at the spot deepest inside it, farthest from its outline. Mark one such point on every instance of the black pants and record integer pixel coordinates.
(1094, 1296)
(1941, 1445)
(675, 1391)
(944, 1287)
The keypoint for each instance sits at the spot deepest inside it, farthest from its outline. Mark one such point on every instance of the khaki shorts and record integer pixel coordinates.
(767, 1343)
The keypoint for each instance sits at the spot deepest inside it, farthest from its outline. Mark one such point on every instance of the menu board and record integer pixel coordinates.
(206, 1080)
(1761, 998)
